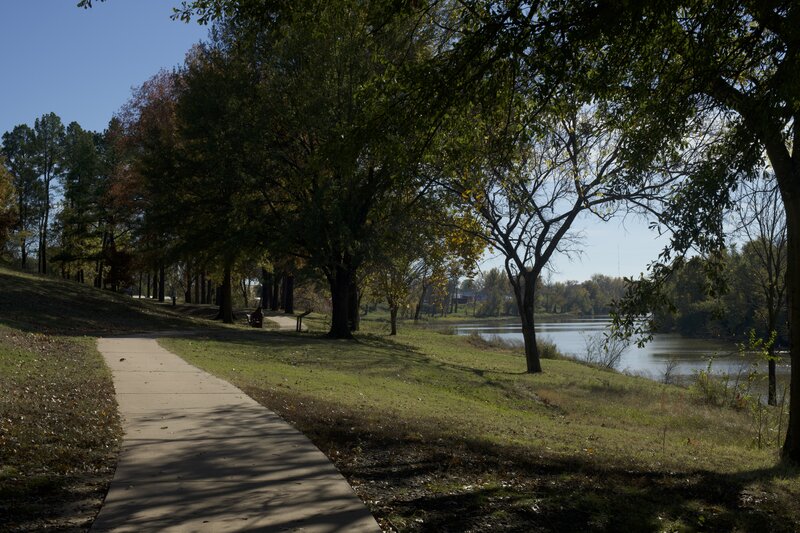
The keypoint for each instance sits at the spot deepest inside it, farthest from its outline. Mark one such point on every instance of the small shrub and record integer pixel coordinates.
(604, 351)
(549, 350)
(669, 377)
(733, 390)
(712, 389)
(494, 341)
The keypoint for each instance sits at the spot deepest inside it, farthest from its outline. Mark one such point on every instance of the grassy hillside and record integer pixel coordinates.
(434, 432)
(59, 427)
(437, 434)
(47, 305)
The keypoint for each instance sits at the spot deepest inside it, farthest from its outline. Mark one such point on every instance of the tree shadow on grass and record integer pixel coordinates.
(370, 355)
(58, 307)
(436, 483)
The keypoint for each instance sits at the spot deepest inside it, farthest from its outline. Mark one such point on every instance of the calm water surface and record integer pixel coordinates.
(690, 354)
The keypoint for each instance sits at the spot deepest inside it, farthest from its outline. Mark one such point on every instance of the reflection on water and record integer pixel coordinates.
(569, 336)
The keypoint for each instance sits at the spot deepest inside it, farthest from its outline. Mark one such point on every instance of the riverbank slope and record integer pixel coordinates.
(436, 433)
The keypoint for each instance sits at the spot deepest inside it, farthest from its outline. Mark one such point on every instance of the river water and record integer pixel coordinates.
(689, 355)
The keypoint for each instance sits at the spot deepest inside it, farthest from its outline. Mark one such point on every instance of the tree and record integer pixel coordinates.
(80, 218)
(762, 221)
(19, 152)
(49, 148)
(8, 208)
(530, 182)
(677, 60)
(341, 144)
(147, 140)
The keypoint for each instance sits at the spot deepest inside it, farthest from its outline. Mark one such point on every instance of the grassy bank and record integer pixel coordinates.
(437, 434)
(59, 428)
(58, 431)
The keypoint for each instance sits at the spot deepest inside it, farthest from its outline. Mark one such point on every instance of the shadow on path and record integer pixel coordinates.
(199, 455)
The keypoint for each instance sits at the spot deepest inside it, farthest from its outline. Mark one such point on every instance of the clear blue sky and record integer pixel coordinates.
(82, 64)
(615, 248)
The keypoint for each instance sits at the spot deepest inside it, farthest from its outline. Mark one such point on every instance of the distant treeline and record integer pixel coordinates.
(696, 308)
(494, 297)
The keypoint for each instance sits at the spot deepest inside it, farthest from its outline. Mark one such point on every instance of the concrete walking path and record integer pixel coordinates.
(285, 322)
(200, 455)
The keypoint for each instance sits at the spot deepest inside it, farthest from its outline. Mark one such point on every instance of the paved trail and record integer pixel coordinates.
(200, 455)
(285, 322)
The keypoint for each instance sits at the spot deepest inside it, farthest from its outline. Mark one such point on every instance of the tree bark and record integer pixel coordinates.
(288, 294)
(353, 316)
(772, 397)
(791, 200)
(340, 280)
(393, 319)
(265, 288)
(226, 306)
(162, 275)
(524, 292)
(187, 295)
(420, 303)
(23, 252)
(276, 284)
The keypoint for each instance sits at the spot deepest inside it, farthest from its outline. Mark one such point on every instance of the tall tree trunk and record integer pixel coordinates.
(276, 287)
(421, 302)
(162, 275)
(266, 289)
(393, 318)
(226, 306)
(353, 316)
(140, 285)
(772, 396)
(791, 200)
(23, 252)
(288, 294)
(148, 285)
(187, 295)
(340, 280)
(203, 288)
(43, 239)
(525, 295)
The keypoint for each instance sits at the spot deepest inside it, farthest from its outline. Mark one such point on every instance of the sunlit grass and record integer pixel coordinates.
(425, 386)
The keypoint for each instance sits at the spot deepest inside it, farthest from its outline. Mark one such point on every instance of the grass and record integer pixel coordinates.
(436, 433)
(47, 305)
(59, 429)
